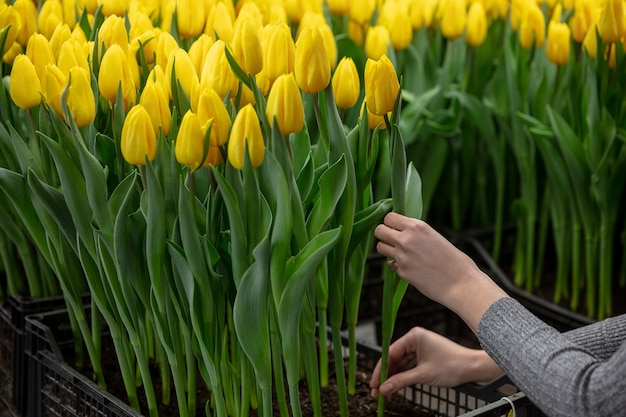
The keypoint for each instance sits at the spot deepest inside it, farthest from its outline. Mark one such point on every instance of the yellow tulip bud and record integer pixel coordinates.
(143, 35)
(558, 43)
(279, 50)
(338, 7)
(72, 55)
(190, 18)
(532, 28)
(54, 85)
(263, 82)
(250, 10)
(398, 22)
(166, 44)
(277, 14)
(501, 9)
(317, 20)
(579, 23)
(113, 31)
(346, 84)
(198, 51)
(247, 96)
(381, 85)
(373, 120)
(284, 105)
(246, 47)
(453, 19)
(39, 51)
(12, 53)
(180, 62)
(311, 67)
(377, 42)
(220, 21)
(114, 69)
(138, 138)
(476, 31)
(61, 34)
(246, 132)
(189, 147)
(50, 16)
(211, 107)
(519, 8)
(113, 7)
(154, 99)
(357, 31)
(363, 13)
(80, 99)
(590, 43)
(216, 72)
(27, 11)
(611, 24)
(24, 84)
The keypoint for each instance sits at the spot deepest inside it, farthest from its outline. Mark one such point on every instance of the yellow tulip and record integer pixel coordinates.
(517, 13)
(166, 43)
(373, 120)
(54, 85)
(311, 67)
(558, 43)
(190, 18)
(80, 98)
(154, 99)
(398, 22)
(284, 105)
(250, 10)
(50, 16)
(180, 63)
(476, 31)
(198, 51)
(381, 85)
(346, 84)
(357, 31)
(60, 35)
(189, 147)
(24, 84)
(115, 70)
(221, 22)
(590, 43)
(611, 24)
(143, 34)
(12, 53)
(113, 7)
(363, 13)
(279, 50)
(138, 138)
(580, 22)
(532, 28)
(377, 42)
(246, 47)
(338, 7)
(216, 72)
(211, 107)
(246, 132)
(318, 20)
(453, 19)
(72, 55)
(27, 10)
(39, 51)
(277, 14)
(422, 12)
(113, 31)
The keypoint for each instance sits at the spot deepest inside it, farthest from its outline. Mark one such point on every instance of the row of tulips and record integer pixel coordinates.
(173, 173)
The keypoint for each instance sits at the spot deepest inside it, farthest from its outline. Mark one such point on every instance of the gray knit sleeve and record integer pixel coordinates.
(561, 377)
(603, 338)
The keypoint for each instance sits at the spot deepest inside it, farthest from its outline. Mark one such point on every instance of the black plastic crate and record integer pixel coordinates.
(13, 382)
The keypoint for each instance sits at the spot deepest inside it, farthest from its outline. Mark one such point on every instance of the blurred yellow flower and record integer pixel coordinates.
(476, 31)
(113, 31)
(373, 120)
(339, 7)
(398, 22)
(50, 16)
(421, 13)
(165, 44)
(532, 28)
(284, 105)
(190, 18)
(220, 22)
(198, 50)
(115, 73)
(580, 22)
(453, 17)
(211, 107)
(558, 43)
(590, 43)
(377, 42)
(279, 50)
(53, 86)
(346, 83)
(111, 7)
(80, 98)
(138, 139)
(311, 66)
(381, 85)
(246, 133)
(27, 10)
(611, 24)
(24, 84)
(60, 35)
(39, 51)
(216, 72)
(189, 148)
(246, 46)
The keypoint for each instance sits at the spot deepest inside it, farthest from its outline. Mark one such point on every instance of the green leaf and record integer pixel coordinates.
(413, 198)
(332, 185)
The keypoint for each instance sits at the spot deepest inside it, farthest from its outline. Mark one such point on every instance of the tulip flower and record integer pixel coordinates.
(590, 43)
(39, 51)
(476, 31)
(346, 84)
(189, 148)
(60, 35)
(80, 98)
(180, 63)
(318, 20)
(532, 28)
(113, 7)
(611, 24)
(339, 7)
(53, 86)
(363, 13)
(377, 42)
(558, 43)
(221, 22)
(580, 21)
(154, 99)
(250, 10)
(284, 105)
(198, 51)
(398, 22)
(50, 16)
(165, 45)
(246, 132)
(190, 18)
(113, 31)
(211, 107)
(373, 120)
(27, 10)
(453, 19)
(517, 13)
(246, 47)
(143, 34)
(114, 70)
(216, 71)
(12, 53)
(138, 138)
(279, 50)
(24, 85)
(72, 55)
(421, 13)
(311, 67)
(381, 85)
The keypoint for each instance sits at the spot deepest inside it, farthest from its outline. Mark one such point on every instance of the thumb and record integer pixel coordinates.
(399, 381)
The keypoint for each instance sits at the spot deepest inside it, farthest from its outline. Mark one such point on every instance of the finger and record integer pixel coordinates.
(395, 221)
(393, 265)
(385, 249)
(375, 380)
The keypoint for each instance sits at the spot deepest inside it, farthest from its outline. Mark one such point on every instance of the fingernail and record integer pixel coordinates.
(386, 388)
(374, 393)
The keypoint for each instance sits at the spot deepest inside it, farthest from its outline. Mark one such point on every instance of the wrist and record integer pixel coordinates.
(483, 369)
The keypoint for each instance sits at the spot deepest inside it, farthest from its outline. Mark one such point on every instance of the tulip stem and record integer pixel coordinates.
(142, 174)
(319, 118)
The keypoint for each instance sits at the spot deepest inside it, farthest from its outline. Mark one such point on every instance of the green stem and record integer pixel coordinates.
(352, 359)
(389, 287)
(145, 376)
(165, 371)
(606, 270)
(591, 252)
(192, 379)
(277, 363)
(127, 369)
(576, 263)
(339, 370)
(323, 345)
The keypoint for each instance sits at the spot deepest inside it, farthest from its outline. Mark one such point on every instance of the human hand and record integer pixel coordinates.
(425, 357)
(438, 269)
